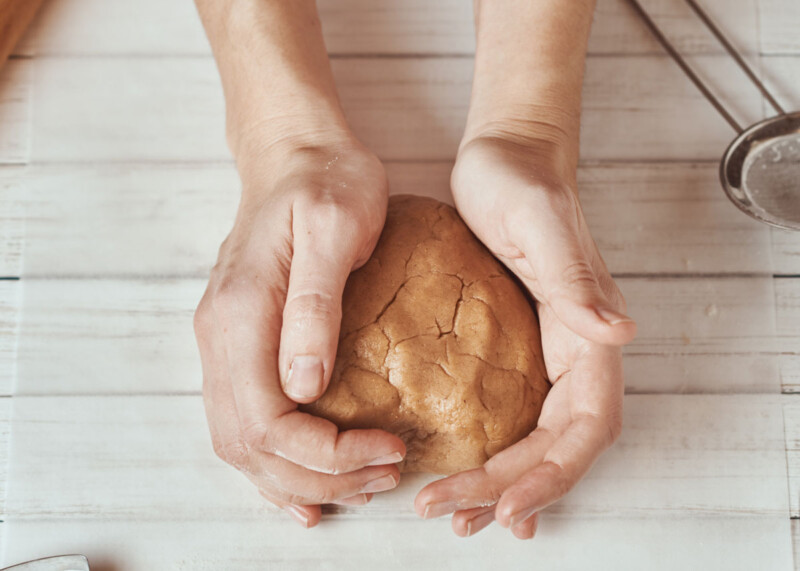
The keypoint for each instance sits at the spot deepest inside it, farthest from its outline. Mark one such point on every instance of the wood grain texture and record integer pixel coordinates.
(715, 335)
(150, 458)
(778, 23)
(796, 543)
(10, 305)
(662, 543)
(12, 220)
(445, 27)
(795, 525)
(787, 297)
(171, 109)
(693, 482)
(791, 420)
(148, 220)
(5, 441)
(15, 102)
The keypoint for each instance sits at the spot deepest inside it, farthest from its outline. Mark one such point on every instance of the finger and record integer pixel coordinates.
(470, 522)
(527, 528)
(218, 400)
(596, 421)
(317, 444)
(483, 487)
(321, 263)
(564, 465)
(565, 275)
(294, 484)
(307, 516)
(250, 324)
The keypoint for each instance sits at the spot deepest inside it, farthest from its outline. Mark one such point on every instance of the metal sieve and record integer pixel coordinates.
(760, 170)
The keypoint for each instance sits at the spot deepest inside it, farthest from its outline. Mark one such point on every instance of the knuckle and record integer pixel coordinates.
(312, 306)
(325, 495)
(296, 499)
(234, 453)
(561, 483)
(256, 436)
(579, 274)
(230, 295)
(328, 213)
(201, 321)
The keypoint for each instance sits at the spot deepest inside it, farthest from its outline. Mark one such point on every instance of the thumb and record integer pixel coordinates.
(312, 317)
(571, 285)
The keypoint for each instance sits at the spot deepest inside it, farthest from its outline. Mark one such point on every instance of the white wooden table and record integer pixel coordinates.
(116, 189)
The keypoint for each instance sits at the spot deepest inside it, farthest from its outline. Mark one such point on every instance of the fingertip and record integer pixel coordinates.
(306, 516)
(595, 323)
(620, 328)
(526, 529)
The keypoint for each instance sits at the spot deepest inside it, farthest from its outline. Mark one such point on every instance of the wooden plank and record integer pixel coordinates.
(782, 76)
(135, 336)
(669, 218)
(15, 104)
(778, 24)
(404, 109)
(150, 27)
(662, 543)
(785, 251)
(10, 305)
(796, 543)
(791, 420)
(5, 440)
(150, 458)
(787, 301)
(705, 473)
(12, 220)
(109, 336)
(145, 220)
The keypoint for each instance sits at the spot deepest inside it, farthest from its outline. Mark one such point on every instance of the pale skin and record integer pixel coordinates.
(268, 323)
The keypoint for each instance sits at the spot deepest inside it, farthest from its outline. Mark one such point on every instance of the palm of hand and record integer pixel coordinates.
(531, 220)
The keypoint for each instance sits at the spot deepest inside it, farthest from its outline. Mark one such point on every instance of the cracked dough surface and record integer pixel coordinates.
(438, 344)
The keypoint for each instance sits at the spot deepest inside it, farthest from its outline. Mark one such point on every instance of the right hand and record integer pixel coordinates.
(268, 325)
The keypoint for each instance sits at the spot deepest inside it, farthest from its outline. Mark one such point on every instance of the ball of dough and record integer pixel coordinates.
(438, 344)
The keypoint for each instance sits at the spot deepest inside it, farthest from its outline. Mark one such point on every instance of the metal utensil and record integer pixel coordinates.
(59, 563)
(760, 170)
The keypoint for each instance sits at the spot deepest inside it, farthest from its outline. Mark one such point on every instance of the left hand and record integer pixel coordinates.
(524, 207)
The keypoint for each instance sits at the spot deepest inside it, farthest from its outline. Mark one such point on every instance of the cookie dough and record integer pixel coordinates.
(438, 344)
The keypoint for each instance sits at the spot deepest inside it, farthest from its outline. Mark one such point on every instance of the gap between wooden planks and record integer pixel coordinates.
(169, 219)
(697, 335)
(393, 27)
(702, 476)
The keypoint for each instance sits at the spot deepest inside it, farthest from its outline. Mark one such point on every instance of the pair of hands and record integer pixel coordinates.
(268, 326)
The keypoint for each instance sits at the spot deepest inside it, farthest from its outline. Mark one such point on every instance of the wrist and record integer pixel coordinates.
(252, 136)
(272, 155)
(549, 147)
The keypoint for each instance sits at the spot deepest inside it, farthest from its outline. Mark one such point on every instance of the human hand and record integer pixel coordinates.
(522, 204)
(268, 324)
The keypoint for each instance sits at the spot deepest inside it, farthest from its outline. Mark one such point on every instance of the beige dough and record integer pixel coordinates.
(438, 344)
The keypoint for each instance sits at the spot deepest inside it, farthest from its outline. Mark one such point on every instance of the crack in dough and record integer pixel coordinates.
(438, 344)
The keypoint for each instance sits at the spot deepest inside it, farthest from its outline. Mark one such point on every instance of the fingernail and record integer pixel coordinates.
(612, 317)
(479, 522)
(297, 514)
(439, 509)
(381, 484)
(521, 516)
(305, 377)
(393, 458)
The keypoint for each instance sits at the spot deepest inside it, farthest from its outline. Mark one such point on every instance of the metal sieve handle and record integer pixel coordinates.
(690, 73)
